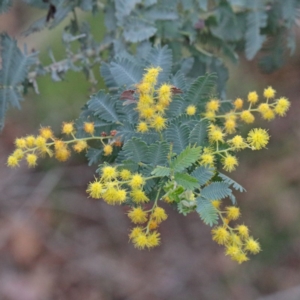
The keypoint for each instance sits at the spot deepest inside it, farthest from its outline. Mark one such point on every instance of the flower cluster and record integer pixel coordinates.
(32, 147)
(152, 102)
(222, 127)
(237, 241)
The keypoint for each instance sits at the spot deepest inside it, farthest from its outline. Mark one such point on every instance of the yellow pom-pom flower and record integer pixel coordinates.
(215, 134)
(95, 189)
(243, 231)
(31, 160)
(213, 105)
(191, 110)
(138, 196)
(252, 97)
(125, 174)
(216, 203)
(151, 75)
(238, 103)
(207, 159)
(40, 142)
(237, 142)
(268, 115)
(136, 181)
(18, 154)
(230, 162)
(46, 133)
(89, 127)
(247, 116)
(20, 143)
(136, 231)
(232, 212)
(140, 241)
(142, 127)
(159, 214)
(109, 173)
(258, 138)
(252, 246)
(68, 128)
(153, 239)
(137, 215)
(107, 149)
(12, 161)
(158, 123)
(79, 146)
(282, 106)
(144, 88)
(62, 154)
(269, 93)
(230, 126)
(30, 141)
(220, 235)
(165, 94)
(210, 115)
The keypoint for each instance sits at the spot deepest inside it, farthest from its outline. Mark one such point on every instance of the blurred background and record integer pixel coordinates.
(55, 243)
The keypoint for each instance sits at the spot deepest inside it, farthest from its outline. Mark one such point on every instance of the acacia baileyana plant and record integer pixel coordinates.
(161, 138)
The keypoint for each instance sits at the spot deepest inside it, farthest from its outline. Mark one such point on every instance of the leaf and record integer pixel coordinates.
(124, 8)
(185, 159)
(137, 30)
(230, 181)
(124, 72)
(94, 155)
(161, 171)
(161, 57)
(207, 211)
(103, 106)
(107, 76)
(186, 180)
(203, 174)
(136, 150)
(256, 19)
(201, 89)
(216, 191)
(159, 12)
(157, 153)
(198, 134)
(177, 135)
(130, 165)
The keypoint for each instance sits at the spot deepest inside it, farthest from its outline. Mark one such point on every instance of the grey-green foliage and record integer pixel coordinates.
(202, 34)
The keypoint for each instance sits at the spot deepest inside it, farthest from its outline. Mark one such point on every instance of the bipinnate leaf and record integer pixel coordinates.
(198, 134)
(185, 159)
(158, 153)
(177, 135)
(203, 174)
(136, 150)
(161, 171)
(187, 181)
(216, 191)
(207, 211)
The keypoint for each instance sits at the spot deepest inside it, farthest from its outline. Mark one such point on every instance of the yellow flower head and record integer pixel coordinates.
(109, 173)
(144, 88)
(263, 107)
(30, 141)
(153, 239)
(20, 143)
(215, 134)
(247, 116)
(151, 75)
(238, 103)
(125, 174)
(89, 127)
(79, 146)
(243, 231)
(258, 138)
(213, 105)
(230, 125)
(164, 95)
(146, 99)
(252, 97)
(95, 189)
(68, 128)
(59, 144)
(18, 154)
(216, 203)
(230, 162)
(40, 142)
(12, 161)
(210, 115)
(237, 142)
(282, 106)
(138, 196)
(31, 160)
(136, 181)
(269, 93)
(153, 225)
(62, 154)
(120, 196)
(137, 215)
(147, 112)
(191, 110)
(158, 123)
(159, 214)
(46, 132)
(232, 212)
(268, 115)
(136, 231)
(110, 196)
(107, 149)
(252, 246)
(220, 235)
(207, 159)
(142, 127)
(140, 241)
